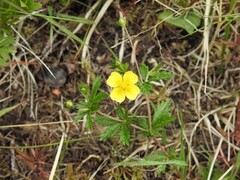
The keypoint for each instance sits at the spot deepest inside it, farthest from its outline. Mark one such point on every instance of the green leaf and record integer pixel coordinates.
(121, 113)
(116, 63)
(143, 122)
(32, 6)
(160, 75)
(162, 121)
(155, 69)
(105, 121)
(89, 122)
(82, 106)
(145, 87)
(99, 97)
(94, 108)
(95, 87)
(161, 169)
(157, 156)
(152, 163)
(6, 48)
(6, 41)
(164, 107)
(124, 135)
(7, 110)
(79, 116)
(66, 17)
(62, 28)
(188, 21)
(110, 131)
(22, 4)
(144, 71)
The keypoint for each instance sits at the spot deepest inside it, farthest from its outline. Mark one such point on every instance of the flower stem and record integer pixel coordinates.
(149, 114)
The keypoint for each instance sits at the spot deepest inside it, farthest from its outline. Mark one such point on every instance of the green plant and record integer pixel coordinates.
(122, 122)
(13, 11)
(10, 12)
(188, 21)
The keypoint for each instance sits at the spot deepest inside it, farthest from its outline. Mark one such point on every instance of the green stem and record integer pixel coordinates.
(119, 120)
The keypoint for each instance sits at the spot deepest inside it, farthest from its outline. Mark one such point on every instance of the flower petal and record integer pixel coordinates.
(132, 91)
(118, 95)
(114, 80)
(130, 78)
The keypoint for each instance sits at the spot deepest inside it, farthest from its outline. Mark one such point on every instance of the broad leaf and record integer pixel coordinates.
(145, 87)
(160, 75)
(188, 21)
(144, 71)
(124, 135)
(162, 121)
(110, 131)
(164, 107)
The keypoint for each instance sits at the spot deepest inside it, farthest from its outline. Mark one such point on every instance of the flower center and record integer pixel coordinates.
(123, 85)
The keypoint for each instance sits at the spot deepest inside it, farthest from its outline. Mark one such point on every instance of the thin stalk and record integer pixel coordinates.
(119, 120)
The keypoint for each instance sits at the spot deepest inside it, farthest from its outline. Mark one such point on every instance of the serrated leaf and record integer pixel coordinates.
(161, 169)
(158, 156)
(124, 135)
(188, 21)
(94, 108)
(145, 87)
(121, 113)
(95, 87)
(105, 121)
(8, 40)
(6, 48)
(160, 76)
(143, 122)
(144, 71)
(110, 131)
(82, 106)
(89, 122)
(99, 97)
(79, 116)
(152, 163)
(164, 107)
(162, 121)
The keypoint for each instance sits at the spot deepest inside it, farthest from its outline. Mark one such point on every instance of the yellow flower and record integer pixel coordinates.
(123, 86)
